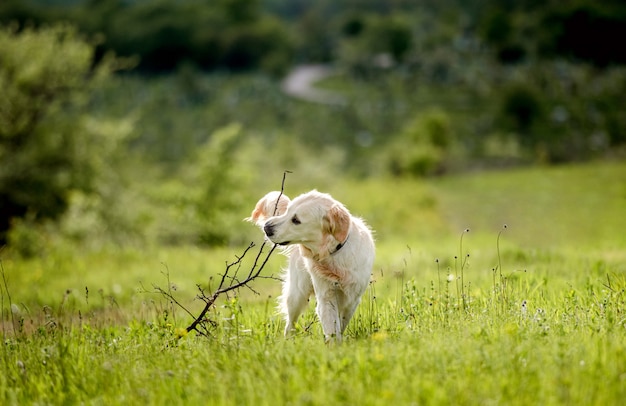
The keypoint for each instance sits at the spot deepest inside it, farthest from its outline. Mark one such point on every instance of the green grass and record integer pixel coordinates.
(534, 316)
(567, 206)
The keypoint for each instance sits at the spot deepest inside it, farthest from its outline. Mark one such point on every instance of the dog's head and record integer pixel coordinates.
(313, 219)
(272, 204)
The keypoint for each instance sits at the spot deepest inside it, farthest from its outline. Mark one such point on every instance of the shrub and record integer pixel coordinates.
(564, 112)
(423, 146)
(215, 160)
(48, 146)
(521, 107)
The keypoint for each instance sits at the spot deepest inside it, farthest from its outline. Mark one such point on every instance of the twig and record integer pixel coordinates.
(228, 282)
(225, 289)
(282, 188)
(234, 283)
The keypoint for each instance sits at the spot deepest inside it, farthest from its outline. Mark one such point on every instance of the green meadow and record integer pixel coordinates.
(489, 288)
(483, 141)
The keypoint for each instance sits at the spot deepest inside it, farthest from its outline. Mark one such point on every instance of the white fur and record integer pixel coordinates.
(331, 254)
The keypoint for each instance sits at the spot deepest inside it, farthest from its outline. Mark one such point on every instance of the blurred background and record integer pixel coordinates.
(138, 122)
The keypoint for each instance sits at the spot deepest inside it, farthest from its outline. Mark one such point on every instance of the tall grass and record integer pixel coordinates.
(413, 340)
(479, 317)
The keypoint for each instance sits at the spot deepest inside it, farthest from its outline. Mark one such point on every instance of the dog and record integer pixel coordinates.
(331, 254)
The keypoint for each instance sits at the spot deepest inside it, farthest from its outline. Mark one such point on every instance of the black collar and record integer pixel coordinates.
(340, 245)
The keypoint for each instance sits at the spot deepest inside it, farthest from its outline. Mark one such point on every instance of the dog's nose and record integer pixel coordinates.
(269, 230)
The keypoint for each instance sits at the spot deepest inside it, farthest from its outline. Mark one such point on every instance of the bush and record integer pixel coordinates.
(205, 201)
(26, 238)
(216, 183)
(48, 146)
(521, 107)
(564, 112)
(423, 146)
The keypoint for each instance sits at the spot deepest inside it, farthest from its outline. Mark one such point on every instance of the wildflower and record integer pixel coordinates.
(379, 336)
(15, 309)
(21, 366)
(180, 332)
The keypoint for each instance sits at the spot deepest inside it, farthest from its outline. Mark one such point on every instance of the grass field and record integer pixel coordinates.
(534, 313)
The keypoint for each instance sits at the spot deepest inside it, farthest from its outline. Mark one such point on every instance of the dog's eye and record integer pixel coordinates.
(295, 220)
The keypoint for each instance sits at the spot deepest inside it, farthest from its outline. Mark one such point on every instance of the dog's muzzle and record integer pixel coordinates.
(269, 230)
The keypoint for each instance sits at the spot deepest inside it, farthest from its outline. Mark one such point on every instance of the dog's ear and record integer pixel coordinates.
(266, 207)
(337, 222)
(258, 214)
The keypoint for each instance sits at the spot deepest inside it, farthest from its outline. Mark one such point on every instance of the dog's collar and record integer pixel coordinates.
(340, 245)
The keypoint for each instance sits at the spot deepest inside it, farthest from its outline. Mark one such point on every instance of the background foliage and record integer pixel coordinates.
(428, 89)
(49, 146)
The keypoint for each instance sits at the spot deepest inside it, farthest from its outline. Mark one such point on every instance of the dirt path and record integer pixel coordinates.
(300, 83)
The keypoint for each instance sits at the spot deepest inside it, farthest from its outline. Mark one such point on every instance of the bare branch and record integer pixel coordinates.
(228, 281)
(233, 286)
(282, 189)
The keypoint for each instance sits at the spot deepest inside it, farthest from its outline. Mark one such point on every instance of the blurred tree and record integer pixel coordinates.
(158, 33)
(261, 45)
(498, 31)
(236, 34)
(586, 30)
(48, 147)
(241, 11)
(315, 40)
(228, 33)
(374, 42)
(353, 26)
(394, 36)
(522, 113)
(521, 106)
(21, 12)
(96, 17)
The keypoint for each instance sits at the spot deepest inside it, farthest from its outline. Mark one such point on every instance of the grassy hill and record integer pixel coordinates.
(559, 207)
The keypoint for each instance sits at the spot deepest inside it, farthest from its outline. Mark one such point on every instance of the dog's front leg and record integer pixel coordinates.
(348, 310)
(328, 311)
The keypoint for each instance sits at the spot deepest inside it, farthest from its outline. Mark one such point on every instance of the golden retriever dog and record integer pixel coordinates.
(331, 254)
